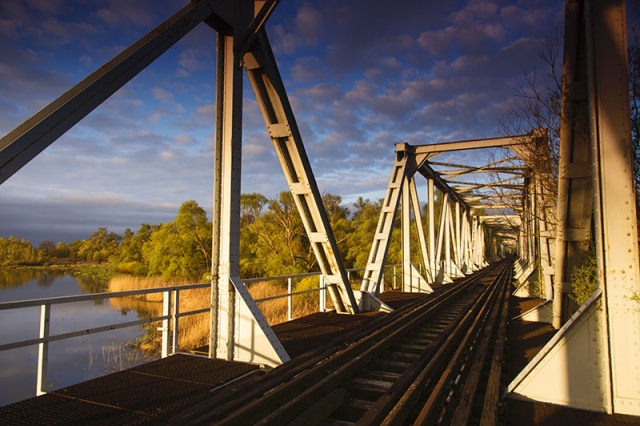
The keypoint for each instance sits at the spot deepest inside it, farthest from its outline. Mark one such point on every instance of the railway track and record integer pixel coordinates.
(431, 363)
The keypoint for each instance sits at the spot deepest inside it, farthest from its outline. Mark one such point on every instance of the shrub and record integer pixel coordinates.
(584, 279)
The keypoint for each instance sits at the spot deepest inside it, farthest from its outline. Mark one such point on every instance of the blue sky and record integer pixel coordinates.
(361, 76)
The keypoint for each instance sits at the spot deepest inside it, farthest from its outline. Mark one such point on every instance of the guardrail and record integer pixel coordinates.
(169, 318)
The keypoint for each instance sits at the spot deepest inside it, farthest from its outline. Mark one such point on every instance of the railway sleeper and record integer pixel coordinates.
(400, 356)
(373, 384)
(375, 374)
(410, 348)
(390, 366)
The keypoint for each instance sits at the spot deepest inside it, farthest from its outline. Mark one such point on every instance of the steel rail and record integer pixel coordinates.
(433, 407)
(396, 407)
(305, 388)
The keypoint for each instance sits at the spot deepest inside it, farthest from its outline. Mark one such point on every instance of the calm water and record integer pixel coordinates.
(70, 361)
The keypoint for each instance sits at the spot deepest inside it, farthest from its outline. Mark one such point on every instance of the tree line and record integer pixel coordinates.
(273, 241)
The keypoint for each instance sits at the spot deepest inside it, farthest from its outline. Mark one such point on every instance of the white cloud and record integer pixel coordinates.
(162, 95)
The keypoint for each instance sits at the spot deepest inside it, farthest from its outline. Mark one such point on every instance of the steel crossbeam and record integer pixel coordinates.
(29, 139)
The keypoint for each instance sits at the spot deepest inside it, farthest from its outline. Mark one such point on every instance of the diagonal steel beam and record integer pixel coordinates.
(270, 93)
(29, 139)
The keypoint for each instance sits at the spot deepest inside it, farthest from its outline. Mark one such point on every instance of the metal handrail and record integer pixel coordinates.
(169, 294)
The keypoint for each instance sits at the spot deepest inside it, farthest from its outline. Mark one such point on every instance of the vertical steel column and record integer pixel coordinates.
(615, 207)
(239, 330)
(575, 188)
(443, 242)
(458, 241)
(228, 183)
(217, 192)
(431, 199)
(405, 225)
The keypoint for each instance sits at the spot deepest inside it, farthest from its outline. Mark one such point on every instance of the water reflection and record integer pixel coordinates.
(73, 360)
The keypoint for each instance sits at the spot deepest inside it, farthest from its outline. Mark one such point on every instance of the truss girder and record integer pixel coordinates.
(452, 251)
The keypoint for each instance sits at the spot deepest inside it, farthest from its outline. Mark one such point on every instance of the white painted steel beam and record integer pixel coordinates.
(270, 93)
(372, 275)
(239, 330)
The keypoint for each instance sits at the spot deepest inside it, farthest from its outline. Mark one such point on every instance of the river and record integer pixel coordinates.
(70, 361)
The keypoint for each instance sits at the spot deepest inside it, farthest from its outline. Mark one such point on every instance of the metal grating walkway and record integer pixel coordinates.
(142, 395)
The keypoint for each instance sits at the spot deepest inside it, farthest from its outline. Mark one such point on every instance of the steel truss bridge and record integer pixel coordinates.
(592, 361)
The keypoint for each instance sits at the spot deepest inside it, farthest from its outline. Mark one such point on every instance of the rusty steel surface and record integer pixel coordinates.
(142, 395)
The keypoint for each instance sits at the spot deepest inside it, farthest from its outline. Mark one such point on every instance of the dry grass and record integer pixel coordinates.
(193, 331)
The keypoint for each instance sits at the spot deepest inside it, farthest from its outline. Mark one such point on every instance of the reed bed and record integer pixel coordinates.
(193, 330)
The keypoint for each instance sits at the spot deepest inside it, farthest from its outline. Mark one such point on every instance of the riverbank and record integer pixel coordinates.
(94, 270)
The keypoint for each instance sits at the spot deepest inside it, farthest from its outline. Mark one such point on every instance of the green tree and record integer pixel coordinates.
(16, 251)
(280, 243)
(181, 248)
(363, 225)
(251, 206)
(100, 246)
(341, 225)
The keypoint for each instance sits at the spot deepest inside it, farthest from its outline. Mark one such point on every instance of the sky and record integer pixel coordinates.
(361, 76)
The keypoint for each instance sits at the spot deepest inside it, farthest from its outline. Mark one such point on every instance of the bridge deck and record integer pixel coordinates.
(150, 393)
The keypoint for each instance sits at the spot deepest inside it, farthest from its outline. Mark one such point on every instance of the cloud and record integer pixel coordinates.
(74, 216)
(162, 95)
(360, 76)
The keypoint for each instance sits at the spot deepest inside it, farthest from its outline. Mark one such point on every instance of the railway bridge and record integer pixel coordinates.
(507, 209)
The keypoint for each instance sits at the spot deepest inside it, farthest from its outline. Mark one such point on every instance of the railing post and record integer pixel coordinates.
(289, 299)
(43, 349)
(174, 326)
(323, 295)
(166, 302)
(394, 277)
